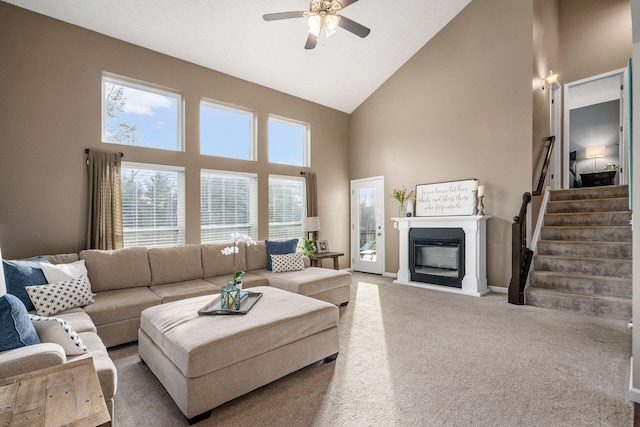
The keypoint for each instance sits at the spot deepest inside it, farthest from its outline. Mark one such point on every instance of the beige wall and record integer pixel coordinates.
(460, 108)
(595, 37)
(50, 75)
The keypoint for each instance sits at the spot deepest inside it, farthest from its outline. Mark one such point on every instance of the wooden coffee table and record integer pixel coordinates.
(62, 395)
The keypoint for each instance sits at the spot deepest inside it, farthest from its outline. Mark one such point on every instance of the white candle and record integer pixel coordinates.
(480, 190)
(475, 185)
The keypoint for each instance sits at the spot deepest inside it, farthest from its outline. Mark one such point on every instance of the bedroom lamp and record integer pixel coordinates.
(594, 153)
(310, 225)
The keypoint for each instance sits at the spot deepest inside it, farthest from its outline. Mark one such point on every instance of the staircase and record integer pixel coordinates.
(583, 259)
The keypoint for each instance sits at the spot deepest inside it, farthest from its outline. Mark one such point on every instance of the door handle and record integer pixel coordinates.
(379, 234)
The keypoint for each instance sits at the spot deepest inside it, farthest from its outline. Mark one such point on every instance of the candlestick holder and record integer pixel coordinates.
(481, 204)
(475, 202)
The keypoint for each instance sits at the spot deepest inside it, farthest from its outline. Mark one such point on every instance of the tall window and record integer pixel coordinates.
(152, 205)
(286, 207)
(228, 203)
(135, 114)
(288, 142)
(226, 131)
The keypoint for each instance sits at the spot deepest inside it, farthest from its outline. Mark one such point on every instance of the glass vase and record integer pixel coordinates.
(230, 297)
(402, 212)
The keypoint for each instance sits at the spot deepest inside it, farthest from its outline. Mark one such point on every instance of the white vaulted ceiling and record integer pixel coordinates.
(231, 37)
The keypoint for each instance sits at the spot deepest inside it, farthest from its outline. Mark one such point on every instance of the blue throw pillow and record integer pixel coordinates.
(17, 329)
(19, 274)
(275, 247)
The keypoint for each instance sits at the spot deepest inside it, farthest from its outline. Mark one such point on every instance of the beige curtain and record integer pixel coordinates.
(312, 194)
(104, 223)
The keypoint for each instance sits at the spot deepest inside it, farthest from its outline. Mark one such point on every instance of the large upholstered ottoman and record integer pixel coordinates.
(204, 361)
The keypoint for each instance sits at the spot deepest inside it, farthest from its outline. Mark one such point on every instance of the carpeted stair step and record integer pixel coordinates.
(616, 233)
(589, 205)
(582, 284)
(588, 219)
(585, 249)
(603, 192)
(589, 266)
(604, 306)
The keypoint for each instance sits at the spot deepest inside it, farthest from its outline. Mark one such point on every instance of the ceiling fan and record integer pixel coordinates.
(323, 20)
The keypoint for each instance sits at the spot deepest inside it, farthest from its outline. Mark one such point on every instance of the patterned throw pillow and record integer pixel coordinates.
(288, 262)
(55, 297)
(56, 330)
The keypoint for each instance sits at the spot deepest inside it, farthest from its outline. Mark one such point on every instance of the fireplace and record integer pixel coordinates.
(458, 259)
(436, 256)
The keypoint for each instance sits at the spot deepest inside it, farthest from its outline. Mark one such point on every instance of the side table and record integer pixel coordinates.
(62, 395)
(316, 260)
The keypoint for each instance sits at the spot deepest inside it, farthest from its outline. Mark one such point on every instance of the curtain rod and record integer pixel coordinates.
(86, 151)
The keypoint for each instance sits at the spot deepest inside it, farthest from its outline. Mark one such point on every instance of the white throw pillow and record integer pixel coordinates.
(59, 272)
(55, 297)
(287, 262)
(56, 330)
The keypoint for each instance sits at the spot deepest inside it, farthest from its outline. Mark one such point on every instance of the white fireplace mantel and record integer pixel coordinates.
(474, 281)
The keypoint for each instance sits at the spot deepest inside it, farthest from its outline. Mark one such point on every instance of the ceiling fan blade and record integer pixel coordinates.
(354, 27)
(282, 15)
(312, 41)
(345, 3)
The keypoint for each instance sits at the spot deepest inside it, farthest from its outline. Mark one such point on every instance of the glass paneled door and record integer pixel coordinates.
(367, 225)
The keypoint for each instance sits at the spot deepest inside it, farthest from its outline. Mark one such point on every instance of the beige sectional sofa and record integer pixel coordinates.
(127, 281)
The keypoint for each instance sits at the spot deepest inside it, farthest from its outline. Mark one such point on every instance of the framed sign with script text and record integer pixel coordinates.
(446, 198)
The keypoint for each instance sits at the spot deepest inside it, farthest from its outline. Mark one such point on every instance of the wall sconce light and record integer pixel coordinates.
(594, 153)
(550, 81)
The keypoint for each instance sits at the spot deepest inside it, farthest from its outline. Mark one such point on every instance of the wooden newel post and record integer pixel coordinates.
(521, 256)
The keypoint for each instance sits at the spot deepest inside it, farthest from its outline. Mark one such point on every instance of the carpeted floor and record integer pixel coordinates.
(411, 356)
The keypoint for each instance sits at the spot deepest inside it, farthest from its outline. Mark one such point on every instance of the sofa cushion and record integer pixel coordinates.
(17, 330)
(55, 297)
(215, 264)
(276, 247)
(187, 289)
(287, 262)
(56, 330)
(310, 281)
(249, 280)
(78, 319)
(257, 256)
(60, 272)
(19, 274)
(106, 370)
(120, 304)
(117, 269)
(62, 258)
(175, 264)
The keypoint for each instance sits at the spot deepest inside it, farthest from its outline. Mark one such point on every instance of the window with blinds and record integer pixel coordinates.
(287, 201)
(152, 205)
(228, 204)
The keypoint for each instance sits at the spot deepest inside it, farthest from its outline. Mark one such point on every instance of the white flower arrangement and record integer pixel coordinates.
(237, 238)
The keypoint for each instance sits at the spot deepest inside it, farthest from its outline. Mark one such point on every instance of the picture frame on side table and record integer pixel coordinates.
(322, 246)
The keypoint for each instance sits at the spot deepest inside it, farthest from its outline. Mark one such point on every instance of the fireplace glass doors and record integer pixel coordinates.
(436, 256)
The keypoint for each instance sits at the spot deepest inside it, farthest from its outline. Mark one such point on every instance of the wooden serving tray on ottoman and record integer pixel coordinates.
(205, 361)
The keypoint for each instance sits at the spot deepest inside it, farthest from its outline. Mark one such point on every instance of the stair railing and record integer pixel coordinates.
(521, 255)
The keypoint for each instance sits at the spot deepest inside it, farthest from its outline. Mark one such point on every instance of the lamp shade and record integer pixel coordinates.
(3, 284)
(597, 151)
(311, 223)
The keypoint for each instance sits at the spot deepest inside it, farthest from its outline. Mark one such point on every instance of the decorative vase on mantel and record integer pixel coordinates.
(402, 212)
(230, 296)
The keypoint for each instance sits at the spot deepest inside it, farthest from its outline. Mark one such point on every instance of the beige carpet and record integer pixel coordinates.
(411, 356)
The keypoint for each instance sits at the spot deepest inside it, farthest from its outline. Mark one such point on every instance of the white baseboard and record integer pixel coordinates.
(498, 289)
(634, 392)
(393, 275)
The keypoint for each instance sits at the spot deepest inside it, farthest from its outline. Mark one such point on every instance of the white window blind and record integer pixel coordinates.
(228, 203)
(287, 201)
(152, 205)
